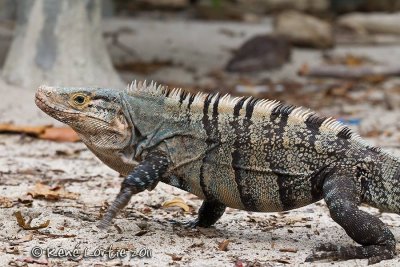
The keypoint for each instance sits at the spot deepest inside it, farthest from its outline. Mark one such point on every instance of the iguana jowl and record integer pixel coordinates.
(244, 153)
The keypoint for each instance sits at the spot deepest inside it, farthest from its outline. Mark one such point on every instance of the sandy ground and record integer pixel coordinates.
(255, 239)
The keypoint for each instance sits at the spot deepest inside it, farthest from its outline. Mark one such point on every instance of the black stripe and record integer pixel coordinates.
(215, 116)
(182, 97)
(238, 107)
(209, 141)
(281, 112)
(191, 98)
(168, 91)
(313, 122)
(345, 133)
(240, 153)
(250, 108)
(286, 196)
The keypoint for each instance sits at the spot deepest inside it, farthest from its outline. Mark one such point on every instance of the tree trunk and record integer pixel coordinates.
(59, 43)
(7, 10)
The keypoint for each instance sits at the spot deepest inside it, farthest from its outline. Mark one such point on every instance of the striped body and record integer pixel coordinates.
(255, 155)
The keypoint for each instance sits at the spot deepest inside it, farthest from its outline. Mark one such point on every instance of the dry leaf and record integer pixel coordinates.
(354, 61)
(12, 250)
(55, 193)
(27, 225)
(60, 134)
(144, 67)
(5, 202)
(292, 250)
(175, 257)
(55, 235)
(34, 261)
(24, 239)
(46, 132)
(304, 70)
(176, 202)
(223, 246)
(26, 200)
(284, 261)
(141, 232)
(30, 130)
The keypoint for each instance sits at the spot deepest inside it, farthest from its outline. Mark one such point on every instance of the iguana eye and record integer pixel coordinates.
(79, 99)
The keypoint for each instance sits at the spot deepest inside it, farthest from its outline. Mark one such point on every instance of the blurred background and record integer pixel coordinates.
(340, 57)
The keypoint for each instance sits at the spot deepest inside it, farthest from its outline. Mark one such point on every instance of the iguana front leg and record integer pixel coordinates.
(342, 198)
(209, 213)
(146, 175)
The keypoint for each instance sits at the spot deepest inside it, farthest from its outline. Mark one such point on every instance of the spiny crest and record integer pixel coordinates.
(259, 105)
(143, 87)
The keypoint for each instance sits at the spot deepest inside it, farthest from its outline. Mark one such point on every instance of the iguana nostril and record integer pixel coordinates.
(48, 93)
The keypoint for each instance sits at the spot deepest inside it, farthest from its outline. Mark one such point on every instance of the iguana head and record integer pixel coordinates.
(96, 114)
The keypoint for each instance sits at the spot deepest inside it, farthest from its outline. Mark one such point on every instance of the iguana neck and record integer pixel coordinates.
(153, 121)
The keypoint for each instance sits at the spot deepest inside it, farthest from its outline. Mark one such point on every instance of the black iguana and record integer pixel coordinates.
(240, 152)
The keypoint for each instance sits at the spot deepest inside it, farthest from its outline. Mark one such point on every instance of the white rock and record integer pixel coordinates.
(304, 30)
(371, 23)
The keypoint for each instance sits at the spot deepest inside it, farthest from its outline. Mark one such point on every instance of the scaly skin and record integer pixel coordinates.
(244, 153)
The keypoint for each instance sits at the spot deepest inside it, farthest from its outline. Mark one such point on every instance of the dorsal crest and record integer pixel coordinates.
(262, 106)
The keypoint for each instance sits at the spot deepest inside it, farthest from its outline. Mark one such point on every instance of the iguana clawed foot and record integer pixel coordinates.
(374, 253)
(187, 223)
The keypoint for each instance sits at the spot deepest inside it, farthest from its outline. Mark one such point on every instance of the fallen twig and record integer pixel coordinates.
(344, 72)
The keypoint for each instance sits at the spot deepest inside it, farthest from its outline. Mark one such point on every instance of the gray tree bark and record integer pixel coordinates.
(59, 43)
(7, 10)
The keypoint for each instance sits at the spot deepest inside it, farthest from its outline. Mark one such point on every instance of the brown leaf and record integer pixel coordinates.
(119, 230)
(12, 250)
(141, 233)
(176, 202)
(46, 132)
(32, 260)
(26, 225)
(175, 257)
(304, 70)
(144, 67)
(353, 61)
(55, 193)
(284, 261)
(55, 235)
(223, 246)
(5, 202)
(30, 130)
(197, 245)
(60, 134)
(24, 239)
(26, 200)
(293, 250)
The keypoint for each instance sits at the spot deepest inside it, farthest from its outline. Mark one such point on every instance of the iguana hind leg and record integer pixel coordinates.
(209, 213)
(145, 175)
(376, 240)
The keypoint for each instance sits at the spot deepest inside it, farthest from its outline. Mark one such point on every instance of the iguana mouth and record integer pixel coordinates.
(45, 106)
